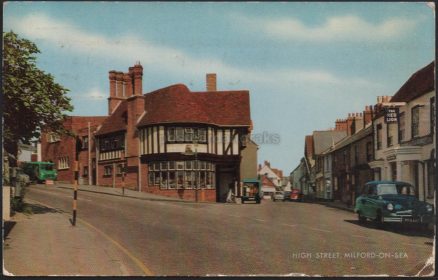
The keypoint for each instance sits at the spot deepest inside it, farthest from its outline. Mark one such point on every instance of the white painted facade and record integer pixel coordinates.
(410, 158)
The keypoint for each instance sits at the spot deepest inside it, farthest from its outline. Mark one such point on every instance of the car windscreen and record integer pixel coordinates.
(386, 189)
(47, 167)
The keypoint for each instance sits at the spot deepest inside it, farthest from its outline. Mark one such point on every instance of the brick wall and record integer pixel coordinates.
(187, 194)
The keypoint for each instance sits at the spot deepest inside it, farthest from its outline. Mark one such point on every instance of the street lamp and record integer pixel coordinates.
(195, 153)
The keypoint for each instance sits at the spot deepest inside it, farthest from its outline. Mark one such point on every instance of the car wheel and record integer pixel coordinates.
(379, 220)
(361, 218)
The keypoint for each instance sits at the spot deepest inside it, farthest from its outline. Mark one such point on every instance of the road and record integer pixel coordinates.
(271, 238)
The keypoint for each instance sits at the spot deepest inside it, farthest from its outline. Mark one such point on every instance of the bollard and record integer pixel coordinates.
(75, 192)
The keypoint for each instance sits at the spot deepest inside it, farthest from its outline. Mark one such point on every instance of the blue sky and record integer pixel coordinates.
(305, 64)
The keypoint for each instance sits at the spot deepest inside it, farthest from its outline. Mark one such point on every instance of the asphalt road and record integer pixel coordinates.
(271, 238)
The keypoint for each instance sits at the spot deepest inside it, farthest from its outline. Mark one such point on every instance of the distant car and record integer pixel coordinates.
(296, 195)
(278, 195)
(392, 201)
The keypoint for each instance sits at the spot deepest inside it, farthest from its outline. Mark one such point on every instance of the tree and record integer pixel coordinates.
(32, 100)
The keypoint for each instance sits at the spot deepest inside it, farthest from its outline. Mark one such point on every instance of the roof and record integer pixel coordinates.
(353, 138)
(421, 82)
(324, 139)
(177, 104)
(267, 182)
(116, 121)
(277, 172)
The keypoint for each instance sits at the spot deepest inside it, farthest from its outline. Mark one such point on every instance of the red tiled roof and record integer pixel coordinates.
(176, 104)
(421, 82)
(267, 182)
(116, 121)
(278, 172)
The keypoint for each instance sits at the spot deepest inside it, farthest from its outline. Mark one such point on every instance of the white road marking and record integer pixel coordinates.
(360, 236)
(287, 225)
(318, 229)
(237, 216)
(260, 220)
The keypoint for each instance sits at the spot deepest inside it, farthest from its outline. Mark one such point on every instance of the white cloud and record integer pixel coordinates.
(170, 60)
(341, 28)
(93, 94)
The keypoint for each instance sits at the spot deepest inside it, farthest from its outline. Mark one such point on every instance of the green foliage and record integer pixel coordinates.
(33, 101)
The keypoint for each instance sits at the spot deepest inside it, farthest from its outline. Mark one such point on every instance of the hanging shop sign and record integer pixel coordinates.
(391, 115)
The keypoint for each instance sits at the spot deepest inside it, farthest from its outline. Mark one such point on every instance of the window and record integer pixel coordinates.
(202, 135)
(401, 127)
(431, 178)
(415, 121)
(119, 169)
(188, 136)
(391, 130)
(379, 136)
(112, 143)
(179, 134)
(171, 134)
(85, 171)
(53, 137)
(432, 115)
(85, 143)
(369, 151)
(186, 176)
(63, 163)
(107, 170)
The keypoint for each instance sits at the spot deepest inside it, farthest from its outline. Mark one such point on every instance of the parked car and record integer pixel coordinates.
(392, 201)
(251, 190)
(278, 195)
(296, 195)
(39, 171)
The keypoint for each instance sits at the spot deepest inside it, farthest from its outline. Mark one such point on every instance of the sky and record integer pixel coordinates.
(304, 64)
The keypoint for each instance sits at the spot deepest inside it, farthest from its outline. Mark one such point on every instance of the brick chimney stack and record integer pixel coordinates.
(127, 79)
(114, 98)
(137, 72)
(267, 163)
(112, 80)
(211, 82)
(119, 84)
(341, 124)
(367, 115)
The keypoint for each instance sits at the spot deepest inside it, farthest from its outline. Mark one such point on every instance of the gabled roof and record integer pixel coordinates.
(116, 121)
(177, 104)
(421, 82)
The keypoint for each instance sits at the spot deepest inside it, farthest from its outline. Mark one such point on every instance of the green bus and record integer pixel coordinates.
(40, 171)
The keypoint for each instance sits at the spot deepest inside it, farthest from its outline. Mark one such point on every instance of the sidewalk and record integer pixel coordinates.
(119, 192)
(45, 243)
(337, 204)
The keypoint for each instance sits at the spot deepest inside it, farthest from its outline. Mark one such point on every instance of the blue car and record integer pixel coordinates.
(392, 201)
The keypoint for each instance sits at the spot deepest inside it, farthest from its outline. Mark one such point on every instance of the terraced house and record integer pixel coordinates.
(405, 146)
(171, 141)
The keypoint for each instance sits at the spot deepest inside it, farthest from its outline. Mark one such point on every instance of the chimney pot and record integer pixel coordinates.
(211, 82)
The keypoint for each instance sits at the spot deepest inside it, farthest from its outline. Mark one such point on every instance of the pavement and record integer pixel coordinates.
(45, 243)
(120, 192)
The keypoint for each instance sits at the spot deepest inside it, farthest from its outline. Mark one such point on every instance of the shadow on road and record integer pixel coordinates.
(404, 229)
(40, 209)
(7, 227)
